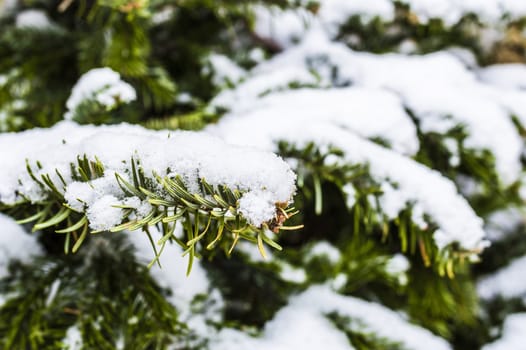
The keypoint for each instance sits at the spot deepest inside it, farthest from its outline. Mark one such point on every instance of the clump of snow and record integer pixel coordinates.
(102, 85)
(292, 274)
(324, 249)
(73, 338)
(15, 244)
(103, 215)
(262, 176)
(512, 334)
(33, 18)
(398, 264)
(303, 324)
(508, 282)
(350, 195)
(257, 207)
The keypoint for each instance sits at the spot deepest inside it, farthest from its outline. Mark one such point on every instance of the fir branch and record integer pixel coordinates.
(103, 291)
(209, 218)
(316, 173)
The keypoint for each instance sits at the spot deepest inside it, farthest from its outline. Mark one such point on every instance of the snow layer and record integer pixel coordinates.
(302, 324)
(449, 96)
(102, 85)
(263, 176)
(429, 192)
(508, 282)
(15, 244)
(372, 113)
(512, 334)
(287, 27)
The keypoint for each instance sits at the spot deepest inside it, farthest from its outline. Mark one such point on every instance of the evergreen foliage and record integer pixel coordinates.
(91, 288)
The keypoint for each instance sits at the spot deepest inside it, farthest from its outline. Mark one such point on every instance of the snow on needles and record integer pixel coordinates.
(449, 96)
(102, 85)
(312, 330)
(373, 108)
(413, 183)
(287, 27)
(262, 175)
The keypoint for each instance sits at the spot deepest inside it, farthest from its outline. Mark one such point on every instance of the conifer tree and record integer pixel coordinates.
(262, 174)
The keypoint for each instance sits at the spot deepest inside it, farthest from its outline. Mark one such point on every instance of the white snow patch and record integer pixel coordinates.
(283, 27)
(508, 282)
(33, 18)
(369, 112)
(302, 324)
(324, 249)
(15, 244)
(103, 85)
(512, 75)
(224, 70)
(262, 176)
(503, 222)
(449, 96)
(73, 338)
(512, 334)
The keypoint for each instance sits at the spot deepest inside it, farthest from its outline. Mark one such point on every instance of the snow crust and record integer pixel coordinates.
(264, 177)
(102, 85)
(302, 324)
(512, 334)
